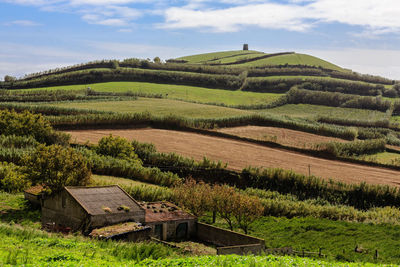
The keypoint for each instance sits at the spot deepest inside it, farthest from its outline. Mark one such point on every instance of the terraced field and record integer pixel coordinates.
(239, 155)
(292, 59)
(314, 111)
(282, 136)
(202, 58)
(158, 107)
(183, 92)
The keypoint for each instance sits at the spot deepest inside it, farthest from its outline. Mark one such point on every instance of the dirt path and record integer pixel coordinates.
(242, 154)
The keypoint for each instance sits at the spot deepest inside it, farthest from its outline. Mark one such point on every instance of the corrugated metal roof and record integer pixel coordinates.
(103, 199)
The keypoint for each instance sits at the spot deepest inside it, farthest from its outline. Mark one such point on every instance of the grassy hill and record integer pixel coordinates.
(257, 59)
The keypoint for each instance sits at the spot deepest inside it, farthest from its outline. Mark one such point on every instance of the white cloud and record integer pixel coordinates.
(297, 15)
(274, 16)
(25, 23)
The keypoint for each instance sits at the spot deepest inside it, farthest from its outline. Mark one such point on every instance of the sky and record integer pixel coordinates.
(36, 35)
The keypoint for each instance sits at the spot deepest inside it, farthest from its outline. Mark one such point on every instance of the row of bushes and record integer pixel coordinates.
(230, 82)
(48, 110)
(281, 85)
(354, 148)
(335, 99)
(70, 95)
(293, 70)
(174, 122)
(108, 165)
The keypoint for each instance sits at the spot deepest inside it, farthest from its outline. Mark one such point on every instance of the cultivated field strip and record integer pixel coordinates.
(242, 154)
(282, 136)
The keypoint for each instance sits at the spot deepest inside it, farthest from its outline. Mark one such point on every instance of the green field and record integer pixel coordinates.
(155, 106)
(292, 59)
(337, 239)
(246, 261)
(182, 92)
(123, 182)
(312, 78)
(388, 158)
(314, 111)
(201, 58)
(236, 58)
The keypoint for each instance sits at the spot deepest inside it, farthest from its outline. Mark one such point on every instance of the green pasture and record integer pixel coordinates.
(313, 111)
(183, 92)
(336, 238)
(227, 60)
(388, 158)
(158, 107)
(200, 58)
(312, 78)
(292, 59)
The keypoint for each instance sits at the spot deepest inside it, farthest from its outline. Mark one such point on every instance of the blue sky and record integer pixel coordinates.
(362, 35)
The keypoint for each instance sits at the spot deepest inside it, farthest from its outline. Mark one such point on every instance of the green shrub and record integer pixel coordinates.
(28, 124)
(117, 147)
(55, 167)
(12, 179)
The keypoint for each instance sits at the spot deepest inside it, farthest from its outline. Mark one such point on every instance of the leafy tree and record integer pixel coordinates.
(9, 78)
(55, 167)
(29, 124)
(117, 147)
(193, 196)
(157, 60)
(12, 179)
(247, 210)
(224, 197)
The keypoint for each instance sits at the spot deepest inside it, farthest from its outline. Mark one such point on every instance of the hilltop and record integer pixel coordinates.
(249, 58)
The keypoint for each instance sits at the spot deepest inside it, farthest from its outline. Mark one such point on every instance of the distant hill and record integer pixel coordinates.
(250, 58)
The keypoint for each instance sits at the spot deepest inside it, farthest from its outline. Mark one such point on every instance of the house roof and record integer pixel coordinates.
(35, 190)
(164, 211)
(117, 229)
(101, 200)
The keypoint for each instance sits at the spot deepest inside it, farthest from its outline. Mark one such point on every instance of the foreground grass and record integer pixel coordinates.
(182, 92)
(23, 246)
(314, 111)
(158, 107)
(337, 239)
(234, 260)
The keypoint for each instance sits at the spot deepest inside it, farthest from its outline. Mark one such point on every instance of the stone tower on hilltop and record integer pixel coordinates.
(245, 47)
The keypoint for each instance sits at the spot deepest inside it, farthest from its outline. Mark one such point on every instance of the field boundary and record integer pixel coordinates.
(269, 144)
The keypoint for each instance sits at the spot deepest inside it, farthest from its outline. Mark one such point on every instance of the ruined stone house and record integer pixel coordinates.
(168, 221)
(87, 208)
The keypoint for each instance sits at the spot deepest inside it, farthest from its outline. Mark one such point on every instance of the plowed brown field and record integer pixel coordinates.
(242, 154)
(282, 136)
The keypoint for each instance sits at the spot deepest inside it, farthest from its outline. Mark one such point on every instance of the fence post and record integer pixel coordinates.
(376, 254)
(303, 253)
(320, 252)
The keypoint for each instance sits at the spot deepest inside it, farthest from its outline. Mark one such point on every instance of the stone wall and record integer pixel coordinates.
(229, 242)
(66, 213)
(240, 250)
(169, 229)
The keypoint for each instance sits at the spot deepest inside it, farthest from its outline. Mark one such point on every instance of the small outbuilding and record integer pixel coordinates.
(87, 208)
(169, 222)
